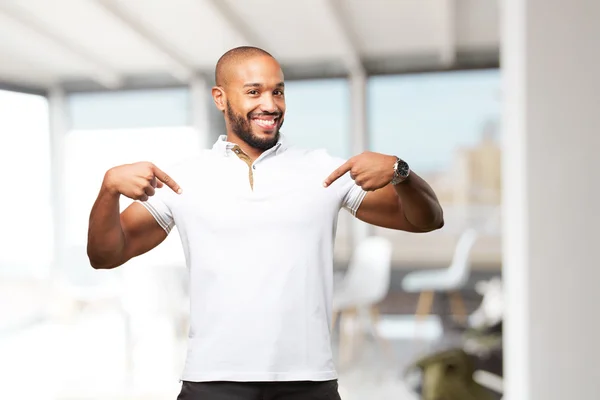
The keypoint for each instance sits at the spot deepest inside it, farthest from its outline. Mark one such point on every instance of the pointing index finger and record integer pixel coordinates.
(166, 179)
(340, 171)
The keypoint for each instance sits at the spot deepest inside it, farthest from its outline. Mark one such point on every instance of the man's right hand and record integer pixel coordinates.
(138, 181)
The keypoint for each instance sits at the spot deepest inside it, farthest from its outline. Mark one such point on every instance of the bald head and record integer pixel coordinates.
(234, 57)
(249, 92)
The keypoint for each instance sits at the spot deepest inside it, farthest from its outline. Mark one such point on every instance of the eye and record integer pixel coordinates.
(278, 92)
(253, 92)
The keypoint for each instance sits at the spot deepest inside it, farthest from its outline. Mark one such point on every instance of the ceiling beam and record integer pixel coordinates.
(480, 59)
(236, 24)
(347, 35)
(448, 33)
(101, 72)
(181, 68)
(27, 89)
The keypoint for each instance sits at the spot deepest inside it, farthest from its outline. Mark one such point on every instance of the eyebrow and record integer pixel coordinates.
(260, 85)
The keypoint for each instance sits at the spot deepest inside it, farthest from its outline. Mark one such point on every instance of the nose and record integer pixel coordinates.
(268, 104)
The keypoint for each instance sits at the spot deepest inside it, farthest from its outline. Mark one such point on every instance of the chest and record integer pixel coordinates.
(262, 196)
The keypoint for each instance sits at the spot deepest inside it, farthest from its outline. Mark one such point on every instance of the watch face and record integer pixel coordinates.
(402, 168)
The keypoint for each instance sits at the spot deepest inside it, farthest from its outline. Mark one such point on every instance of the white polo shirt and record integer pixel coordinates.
(260, 260)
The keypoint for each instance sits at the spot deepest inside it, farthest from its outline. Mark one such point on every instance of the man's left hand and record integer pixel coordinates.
(370, 171)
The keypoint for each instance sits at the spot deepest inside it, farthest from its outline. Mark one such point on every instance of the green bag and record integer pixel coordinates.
(448, 375)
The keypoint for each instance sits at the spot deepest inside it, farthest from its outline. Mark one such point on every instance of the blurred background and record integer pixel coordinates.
(86, 85)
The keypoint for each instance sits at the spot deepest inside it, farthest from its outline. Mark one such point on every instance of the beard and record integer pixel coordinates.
(242, 127)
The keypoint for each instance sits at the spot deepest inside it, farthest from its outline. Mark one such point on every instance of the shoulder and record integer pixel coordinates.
(185, 169)
(319, 158)
(188, 165)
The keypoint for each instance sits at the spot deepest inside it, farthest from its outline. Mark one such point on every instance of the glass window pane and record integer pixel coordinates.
(129, 109)
(425, 117)
(317, 115)
(26, 200)
(446, 125)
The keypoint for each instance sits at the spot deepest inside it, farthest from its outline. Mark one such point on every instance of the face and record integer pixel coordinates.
(254, 102)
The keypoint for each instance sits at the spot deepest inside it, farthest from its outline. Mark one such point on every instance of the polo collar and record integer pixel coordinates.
(223, 147)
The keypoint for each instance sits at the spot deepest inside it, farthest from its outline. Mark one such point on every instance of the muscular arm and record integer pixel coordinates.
(115, 238)
(410, 206)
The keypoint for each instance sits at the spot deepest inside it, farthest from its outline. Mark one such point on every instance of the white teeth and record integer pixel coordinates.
(265, 122)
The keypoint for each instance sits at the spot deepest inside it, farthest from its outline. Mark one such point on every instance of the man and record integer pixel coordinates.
(257, 223)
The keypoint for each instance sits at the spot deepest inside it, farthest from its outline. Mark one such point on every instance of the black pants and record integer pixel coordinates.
(297, 390)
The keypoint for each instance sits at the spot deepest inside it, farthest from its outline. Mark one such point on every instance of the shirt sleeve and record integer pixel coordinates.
(158, 206)
(353, 197)
(350, 193)
(161, 204)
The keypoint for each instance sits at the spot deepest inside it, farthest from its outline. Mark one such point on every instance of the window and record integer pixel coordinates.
(426, 117)
(317, 115)
(129, 109)
(26, 200)
(446, 126)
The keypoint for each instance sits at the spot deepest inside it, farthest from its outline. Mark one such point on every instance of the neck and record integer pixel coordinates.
(250, 151)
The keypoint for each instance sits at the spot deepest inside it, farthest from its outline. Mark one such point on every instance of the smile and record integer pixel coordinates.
(265, 122)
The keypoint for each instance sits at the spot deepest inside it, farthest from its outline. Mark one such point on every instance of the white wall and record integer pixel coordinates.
(552, 148)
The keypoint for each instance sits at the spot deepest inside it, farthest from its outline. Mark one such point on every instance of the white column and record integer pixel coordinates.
(360, 135)
(551, 58)
(358, 107)
(59, 125)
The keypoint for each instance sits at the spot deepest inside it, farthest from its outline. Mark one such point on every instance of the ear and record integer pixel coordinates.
(219, 98)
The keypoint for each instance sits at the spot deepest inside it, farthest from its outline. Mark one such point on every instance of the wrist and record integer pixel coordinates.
(401, 172)
(108, 184)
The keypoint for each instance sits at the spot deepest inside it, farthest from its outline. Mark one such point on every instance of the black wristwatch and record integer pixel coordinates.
(401, 171)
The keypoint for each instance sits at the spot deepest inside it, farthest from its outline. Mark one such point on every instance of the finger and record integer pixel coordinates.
(166, 179)
(159, 184)
(153, 182)
(143, 197)
(149, 191)
(340, 171)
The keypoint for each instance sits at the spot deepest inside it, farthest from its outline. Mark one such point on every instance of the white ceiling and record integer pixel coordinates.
(110, 42)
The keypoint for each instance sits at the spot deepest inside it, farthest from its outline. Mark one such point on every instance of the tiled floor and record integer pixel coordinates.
(84, 359)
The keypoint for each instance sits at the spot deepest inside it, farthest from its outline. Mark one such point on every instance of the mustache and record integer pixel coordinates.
(266, 114)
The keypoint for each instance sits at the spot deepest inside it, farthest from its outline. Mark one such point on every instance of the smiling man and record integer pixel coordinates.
(257, 220)
(255, 120)
(257, 128)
